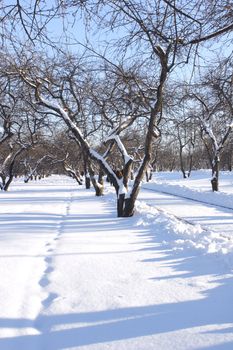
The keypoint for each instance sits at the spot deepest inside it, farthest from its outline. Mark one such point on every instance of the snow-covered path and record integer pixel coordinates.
(212, 217)
(73, 276)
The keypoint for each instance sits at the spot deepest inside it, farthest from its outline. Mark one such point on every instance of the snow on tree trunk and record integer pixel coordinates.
(215, 174)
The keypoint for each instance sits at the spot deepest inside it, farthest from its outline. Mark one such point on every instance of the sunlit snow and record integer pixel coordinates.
(74, 276)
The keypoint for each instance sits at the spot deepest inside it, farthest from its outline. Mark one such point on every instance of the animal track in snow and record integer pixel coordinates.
(44, 281)
(51, 248)
(50, 298)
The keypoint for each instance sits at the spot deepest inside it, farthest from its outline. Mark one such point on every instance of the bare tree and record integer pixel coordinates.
(215, 97)
(157, 36)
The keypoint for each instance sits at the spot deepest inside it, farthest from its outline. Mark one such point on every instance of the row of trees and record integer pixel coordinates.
(58, 154)
(120, 108)
(190, 136)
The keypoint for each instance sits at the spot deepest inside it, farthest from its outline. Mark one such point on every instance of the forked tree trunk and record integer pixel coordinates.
(126, 203)
(129, 201)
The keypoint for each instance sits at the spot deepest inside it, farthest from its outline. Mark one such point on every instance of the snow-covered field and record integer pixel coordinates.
(74, 276)
(195, 186)
(211, 213)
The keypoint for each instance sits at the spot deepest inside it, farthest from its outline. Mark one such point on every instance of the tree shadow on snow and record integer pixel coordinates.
(115, 325)
(213, 308)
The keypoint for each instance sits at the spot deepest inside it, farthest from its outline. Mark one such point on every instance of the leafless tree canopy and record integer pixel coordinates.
(114, 96)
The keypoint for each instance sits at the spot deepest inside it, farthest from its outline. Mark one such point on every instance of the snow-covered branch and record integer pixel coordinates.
(121, 147)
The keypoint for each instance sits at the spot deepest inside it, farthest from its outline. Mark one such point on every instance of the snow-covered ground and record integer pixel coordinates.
(74, 276)
(196, 187)
(193, 201)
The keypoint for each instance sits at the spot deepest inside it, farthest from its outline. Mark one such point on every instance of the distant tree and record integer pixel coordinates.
(21, 125)
(227, 155)
(215, 98)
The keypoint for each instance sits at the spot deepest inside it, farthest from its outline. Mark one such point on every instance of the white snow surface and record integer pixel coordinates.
(74, 276)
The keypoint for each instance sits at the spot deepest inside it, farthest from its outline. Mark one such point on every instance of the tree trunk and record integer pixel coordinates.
(101, 177)
(190, 165)
(9, 181)
(87, 182)
(120, 205)
(99, 191)
(148, 175)
(3, 182)
(129, 207)
(125, 206)
(99, 187)
(229, 161)
(182, 163)
(215, 174)
(86, 173)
